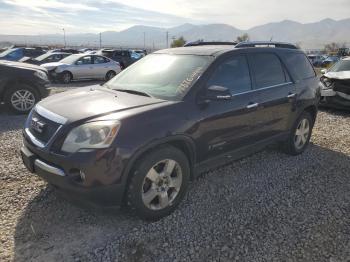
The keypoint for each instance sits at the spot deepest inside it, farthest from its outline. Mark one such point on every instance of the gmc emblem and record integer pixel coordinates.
(37, 125)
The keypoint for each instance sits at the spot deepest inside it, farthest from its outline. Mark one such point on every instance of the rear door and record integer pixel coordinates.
(100, 66)
(275, 92)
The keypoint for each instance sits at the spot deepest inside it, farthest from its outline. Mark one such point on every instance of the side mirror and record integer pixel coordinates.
(215, 93)
(79, 62)
(323, 71)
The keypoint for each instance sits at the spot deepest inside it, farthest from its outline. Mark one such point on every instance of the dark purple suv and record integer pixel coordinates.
(141, 137)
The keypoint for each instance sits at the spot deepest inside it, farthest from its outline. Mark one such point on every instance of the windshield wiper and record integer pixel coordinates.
(134, 92)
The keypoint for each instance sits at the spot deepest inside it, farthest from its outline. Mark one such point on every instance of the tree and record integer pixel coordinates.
(331, 47)
(243, 38)
(179, 42)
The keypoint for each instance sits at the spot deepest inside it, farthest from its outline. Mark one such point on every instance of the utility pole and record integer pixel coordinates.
(100, 40)
(64, 37)
(167, 39)
(144, 40)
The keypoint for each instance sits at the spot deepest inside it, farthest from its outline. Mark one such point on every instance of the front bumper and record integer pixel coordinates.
(70, 181)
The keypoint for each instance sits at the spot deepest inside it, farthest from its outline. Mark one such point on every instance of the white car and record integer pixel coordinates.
(83, 66)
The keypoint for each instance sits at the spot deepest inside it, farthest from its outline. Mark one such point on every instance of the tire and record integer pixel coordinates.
(110, 75)
(297, 143)
(153, 193)
(21, 99)
(66, 77)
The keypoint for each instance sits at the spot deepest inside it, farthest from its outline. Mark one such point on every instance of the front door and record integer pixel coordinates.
(228, 125)
(83, 68)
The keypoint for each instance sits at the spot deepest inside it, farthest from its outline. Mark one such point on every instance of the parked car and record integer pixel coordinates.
(141, 137)
(22, 85)
(124, 57)
(15, 54)
(316, 60)
(82, 66)
(141, 52)
(335, 85)
(64, 50)
(45, 58)
(329, 61)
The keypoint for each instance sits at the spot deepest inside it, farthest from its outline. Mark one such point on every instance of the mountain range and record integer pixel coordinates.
(308, 36)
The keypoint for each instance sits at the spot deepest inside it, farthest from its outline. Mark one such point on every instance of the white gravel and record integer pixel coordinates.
(267, 207)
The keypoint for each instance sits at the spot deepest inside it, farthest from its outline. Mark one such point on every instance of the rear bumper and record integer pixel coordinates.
(71, 184)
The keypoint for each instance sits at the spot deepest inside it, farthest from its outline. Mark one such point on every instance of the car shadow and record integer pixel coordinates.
(272, 196)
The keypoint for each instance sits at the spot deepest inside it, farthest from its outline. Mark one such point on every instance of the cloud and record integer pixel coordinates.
(49, 16)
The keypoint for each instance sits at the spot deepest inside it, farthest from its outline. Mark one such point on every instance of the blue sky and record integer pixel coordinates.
(83, 16)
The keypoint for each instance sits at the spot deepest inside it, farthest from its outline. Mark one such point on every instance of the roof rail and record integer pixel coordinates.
(201, 43)
(266, 44)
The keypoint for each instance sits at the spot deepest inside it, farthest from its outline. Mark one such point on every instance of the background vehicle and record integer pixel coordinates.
(15, 54)
(82, 66)
(22, 85)
(316, 60)
(329, 61)
(65, 50)
(142, 136)
(45, 58)
(335, 85)
(124, 57)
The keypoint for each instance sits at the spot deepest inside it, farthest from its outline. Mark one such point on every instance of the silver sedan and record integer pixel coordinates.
(82, 66)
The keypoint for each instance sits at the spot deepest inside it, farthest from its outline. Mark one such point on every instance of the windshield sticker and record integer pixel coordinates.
(183, 87)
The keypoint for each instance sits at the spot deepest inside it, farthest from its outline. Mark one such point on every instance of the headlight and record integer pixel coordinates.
(41, 75)
(91, 135)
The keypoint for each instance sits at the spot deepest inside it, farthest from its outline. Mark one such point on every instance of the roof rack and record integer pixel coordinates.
(266, 44)
(201, 43)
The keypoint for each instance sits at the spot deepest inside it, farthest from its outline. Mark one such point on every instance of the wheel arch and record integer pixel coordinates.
(181, 142)
(312, 109)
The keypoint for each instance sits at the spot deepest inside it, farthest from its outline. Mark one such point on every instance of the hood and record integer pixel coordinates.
(338, 75)
(93, 101)
(50, 66)
(22, 65)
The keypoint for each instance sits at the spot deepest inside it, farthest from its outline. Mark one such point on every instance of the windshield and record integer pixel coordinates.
(6, 52)
(70, 59)
(42, 57)
(162, 76)
(342, 65)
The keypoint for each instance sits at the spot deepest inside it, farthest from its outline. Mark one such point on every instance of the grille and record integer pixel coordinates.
(48, 130)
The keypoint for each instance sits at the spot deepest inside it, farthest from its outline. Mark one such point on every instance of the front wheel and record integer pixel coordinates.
(21, 99)
(159, 183)
(300, 135)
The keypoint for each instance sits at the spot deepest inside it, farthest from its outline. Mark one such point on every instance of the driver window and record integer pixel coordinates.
(233, 74)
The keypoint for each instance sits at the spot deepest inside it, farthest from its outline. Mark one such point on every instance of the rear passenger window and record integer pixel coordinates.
(268, 70)
(233, 74)
(299, 66)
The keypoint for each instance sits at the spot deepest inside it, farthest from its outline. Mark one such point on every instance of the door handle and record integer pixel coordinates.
(291, 95)
(250, 106)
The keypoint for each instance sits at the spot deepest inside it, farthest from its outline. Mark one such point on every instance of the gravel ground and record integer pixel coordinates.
(267, 207)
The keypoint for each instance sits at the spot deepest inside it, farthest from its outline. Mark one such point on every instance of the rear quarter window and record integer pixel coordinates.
(299, 66)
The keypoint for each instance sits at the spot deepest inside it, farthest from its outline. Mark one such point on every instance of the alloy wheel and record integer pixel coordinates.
(22, 100)
(162, 184)
(302, 133)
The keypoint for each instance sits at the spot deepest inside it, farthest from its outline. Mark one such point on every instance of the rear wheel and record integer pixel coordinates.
(21, 99)
(66, 77)
(110, 75)
(159, 183)
(300, 135)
